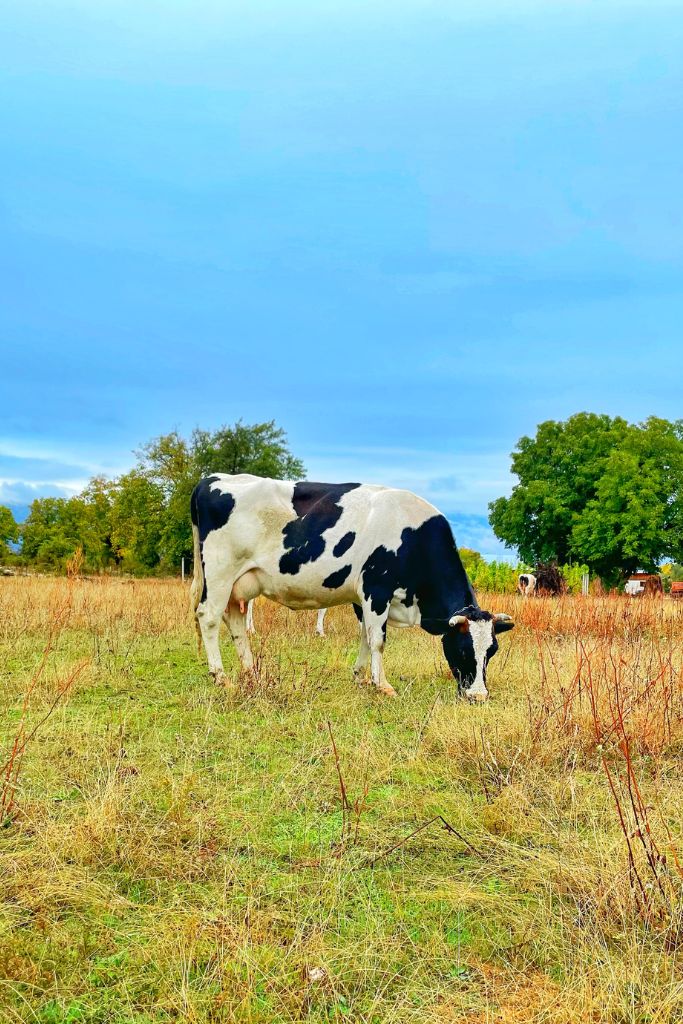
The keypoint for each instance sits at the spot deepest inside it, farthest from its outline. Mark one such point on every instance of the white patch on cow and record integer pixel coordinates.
(482, 638)
(399, 614)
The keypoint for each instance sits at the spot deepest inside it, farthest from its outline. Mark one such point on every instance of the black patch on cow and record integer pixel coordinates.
(209, 510)
(335, 579)
(358, 612)
(381, 575)
(317, 508)
(343, 544)
(427, 565)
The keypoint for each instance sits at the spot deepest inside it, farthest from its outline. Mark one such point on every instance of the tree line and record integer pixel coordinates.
(593, 493)
(139, 522)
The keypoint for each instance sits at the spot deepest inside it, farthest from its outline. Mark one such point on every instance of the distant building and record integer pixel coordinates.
(640, 584)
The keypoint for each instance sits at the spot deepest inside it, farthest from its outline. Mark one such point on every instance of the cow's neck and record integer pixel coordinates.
(445, 588)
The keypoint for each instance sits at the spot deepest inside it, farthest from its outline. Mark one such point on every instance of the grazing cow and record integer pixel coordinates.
(526, 584)
(319, 622)
(311, 545)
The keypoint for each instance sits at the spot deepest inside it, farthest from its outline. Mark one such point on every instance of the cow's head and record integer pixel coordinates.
(468, 645)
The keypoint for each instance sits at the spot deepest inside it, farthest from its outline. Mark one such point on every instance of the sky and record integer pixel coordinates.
(408, 232)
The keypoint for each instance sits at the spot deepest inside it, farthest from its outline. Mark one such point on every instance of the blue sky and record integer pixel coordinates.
(408, 232)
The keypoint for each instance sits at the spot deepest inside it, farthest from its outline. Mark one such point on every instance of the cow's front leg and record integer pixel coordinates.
(235, 619)
(361, 664)
(376, 627)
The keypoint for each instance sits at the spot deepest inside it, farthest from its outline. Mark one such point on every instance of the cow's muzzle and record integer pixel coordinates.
(477, 696)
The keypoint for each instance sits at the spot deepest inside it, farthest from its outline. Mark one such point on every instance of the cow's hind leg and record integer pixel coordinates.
(375, 626)
(236, 622)
(209, 614)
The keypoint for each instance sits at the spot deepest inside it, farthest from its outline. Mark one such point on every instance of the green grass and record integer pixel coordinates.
(181, 853)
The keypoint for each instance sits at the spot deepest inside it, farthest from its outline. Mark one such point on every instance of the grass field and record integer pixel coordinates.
(173, 852)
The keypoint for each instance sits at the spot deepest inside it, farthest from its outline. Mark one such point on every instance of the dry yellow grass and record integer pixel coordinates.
(171, 852)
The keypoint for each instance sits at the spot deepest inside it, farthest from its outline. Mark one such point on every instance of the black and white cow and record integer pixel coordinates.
(311, 545)
(526, 584)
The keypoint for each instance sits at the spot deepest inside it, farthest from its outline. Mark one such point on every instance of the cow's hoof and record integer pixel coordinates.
(223, 680)
(477, 698)
(386, 689)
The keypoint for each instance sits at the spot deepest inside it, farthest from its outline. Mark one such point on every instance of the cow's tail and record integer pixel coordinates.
(197, 586)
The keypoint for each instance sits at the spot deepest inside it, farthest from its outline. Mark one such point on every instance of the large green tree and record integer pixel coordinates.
(176, 465)
(596, 490)
(9, 530)
(260, 449)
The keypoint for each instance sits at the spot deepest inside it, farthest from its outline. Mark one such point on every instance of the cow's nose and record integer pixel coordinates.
(477, 696)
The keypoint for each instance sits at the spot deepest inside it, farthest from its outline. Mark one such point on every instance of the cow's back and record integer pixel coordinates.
(243, 509)
(309, 542)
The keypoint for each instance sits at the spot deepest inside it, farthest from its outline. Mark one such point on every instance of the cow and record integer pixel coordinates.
(315, 545)
(249, 622)
(526, 584)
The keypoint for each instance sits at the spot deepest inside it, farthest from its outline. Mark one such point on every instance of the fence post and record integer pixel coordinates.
(182, 568)
(585, 580)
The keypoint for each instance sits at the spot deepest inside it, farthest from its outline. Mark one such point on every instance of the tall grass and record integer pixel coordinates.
(303, 850)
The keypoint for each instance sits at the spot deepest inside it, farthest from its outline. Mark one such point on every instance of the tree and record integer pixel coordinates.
(260, 449)
(596, 490)
(57, 527)
(9, 531)
(136, 518)
(98, 498)
(176, 466)
(167, 461)
(42, 536)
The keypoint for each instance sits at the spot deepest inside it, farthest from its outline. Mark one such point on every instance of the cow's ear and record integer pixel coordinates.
(502, 622)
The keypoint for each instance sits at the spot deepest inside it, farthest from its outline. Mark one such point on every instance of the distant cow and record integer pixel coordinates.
(311, 545)
(545, 581)
(526, 584)
(319, 622)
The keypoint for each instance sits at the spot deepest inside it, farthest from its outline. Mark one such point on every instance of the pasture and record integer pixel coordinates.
(304, 850)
